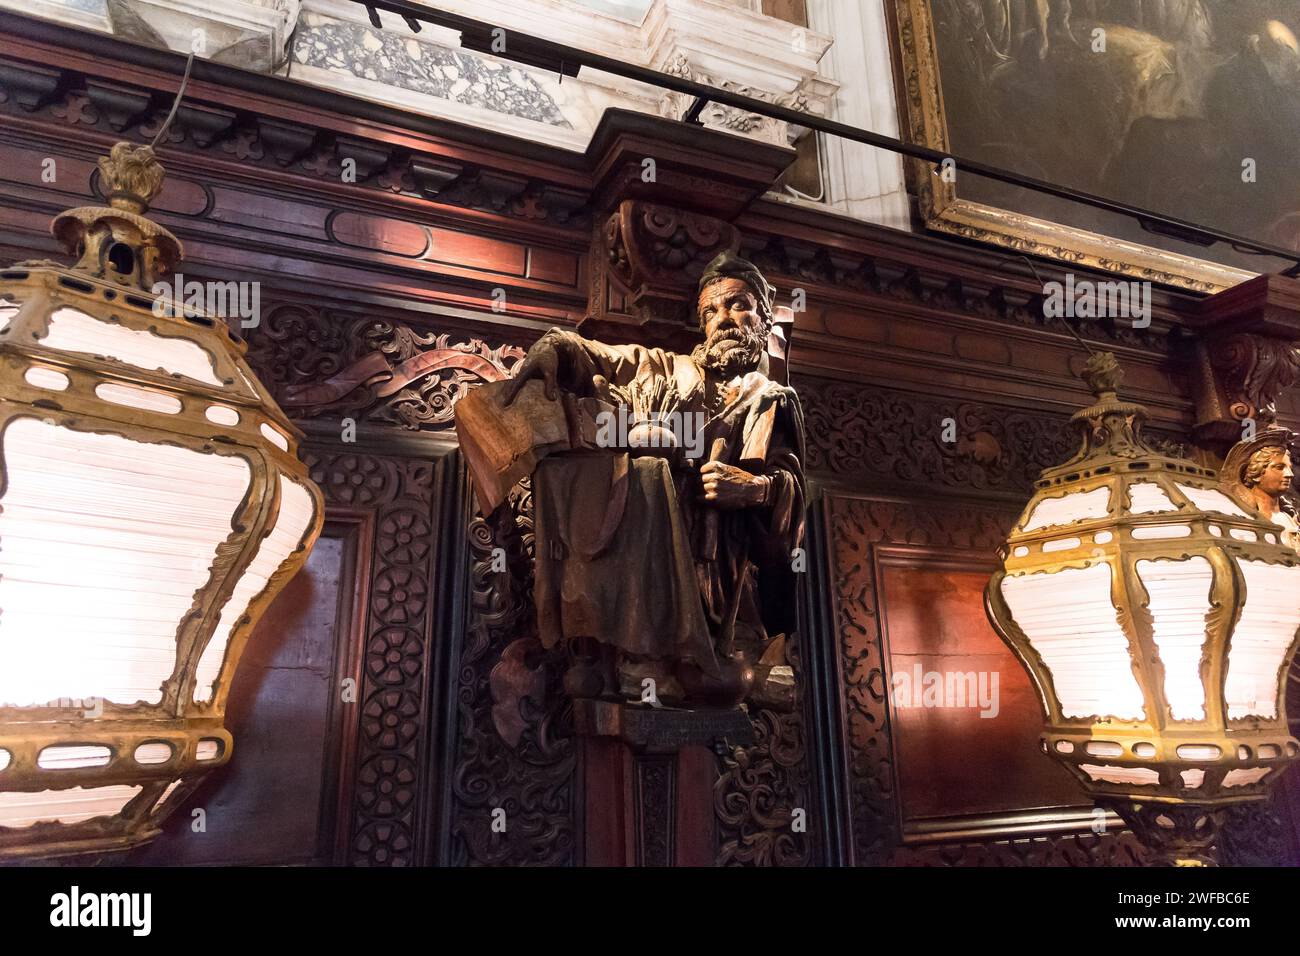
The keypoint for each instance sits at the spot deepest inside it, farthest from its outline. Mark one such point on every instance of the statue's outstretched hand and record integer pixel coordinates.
(542, 361)
(726, 486)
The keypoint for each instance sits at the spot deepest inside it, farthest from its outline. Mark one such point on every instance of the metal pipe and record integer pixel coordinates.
(484, 37)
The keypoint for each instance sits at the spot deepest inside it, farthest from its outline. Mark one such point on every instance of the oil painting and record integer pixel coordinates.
(1187, 108)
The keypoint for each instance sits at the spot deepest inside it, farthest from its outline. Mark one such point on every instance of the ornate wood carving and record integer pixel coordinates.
(312, 150)
(326, 362)
(532, 781)
(758, 790)
(391, 697)
(1241, 376)
(1245, 358)
(1120, 848)
(873, 434)
(512, 751)
(655, 785)
(655, 256)
(837, 274)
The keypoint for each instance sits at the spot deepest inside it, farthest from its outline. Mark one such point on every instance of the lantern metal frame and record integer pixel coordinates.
(1114, 456)
(121, 255)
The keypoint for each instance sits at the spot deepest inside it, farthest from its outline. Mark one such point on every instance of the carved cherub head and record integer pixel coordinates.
(735, 312)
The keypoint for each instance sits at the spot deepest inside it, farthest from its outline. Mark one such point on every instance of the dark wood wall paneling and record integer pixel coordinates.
(901, 332)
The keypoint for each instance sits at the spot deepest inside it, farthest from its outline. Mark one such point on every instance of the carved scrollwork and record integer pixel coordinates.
(757, 793)
(883, 434)
(657, 254)
(318, 362)
(531, 780)
(1247, 373)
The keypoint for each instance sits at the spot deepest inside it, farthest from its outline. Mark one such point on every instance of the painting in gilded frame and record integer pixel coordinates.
(1189, 108)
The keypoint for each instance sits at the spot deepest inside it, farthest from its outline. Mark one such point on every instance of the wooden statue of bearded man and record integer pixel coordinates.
(1257, 473)
(669, 557)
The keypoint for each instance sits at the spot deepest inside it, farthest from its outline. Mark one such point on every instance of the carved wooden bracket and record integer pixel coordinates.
(1246, 356)
(664, 198)
(649, 260)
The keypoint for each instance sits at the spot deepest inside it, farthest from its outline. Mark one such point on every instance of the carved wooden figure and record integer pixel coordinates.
(669, 497)
(1257, 473)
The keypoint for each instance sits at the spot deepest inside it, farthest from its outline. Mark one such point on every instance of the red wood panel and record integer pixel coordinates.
(607, 839)
(478, 252)
(550, 265)
(951, 760)
(265, 212)
(181, 196)
(379, 233)
(697, 772)
(27, 166)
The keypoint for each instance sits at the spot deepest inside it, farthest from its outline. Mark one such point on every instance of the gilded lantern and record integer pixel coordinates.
(1157, 619)
(152, 504)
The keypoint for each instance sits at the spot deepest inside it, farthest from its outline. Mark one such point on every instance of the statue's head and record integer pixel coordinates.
(1269, 470)
(735, 313)
(1258, 471)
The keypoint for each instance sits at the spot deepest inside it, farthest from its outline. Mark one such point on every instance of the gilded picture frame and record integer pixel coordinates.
(923, 121)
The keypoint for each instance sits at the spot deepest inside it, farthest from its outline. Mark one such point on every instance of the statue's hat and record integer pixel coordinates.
(728, 265)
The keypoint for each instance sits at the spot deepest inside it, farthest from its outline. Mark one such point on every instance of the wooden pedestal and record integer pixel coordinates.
(647, 781)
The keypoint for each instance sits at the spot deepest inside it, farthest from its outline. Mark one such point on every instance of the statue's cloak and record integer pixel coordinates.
(628, 554)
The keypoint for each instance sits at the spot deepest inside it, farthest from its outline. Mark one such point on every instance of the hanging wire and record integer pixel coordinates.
(176, 103)
(1072, 330)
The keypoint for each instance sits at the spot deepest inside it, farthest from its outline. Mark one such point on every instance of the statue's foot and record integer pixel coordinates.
(728, 688)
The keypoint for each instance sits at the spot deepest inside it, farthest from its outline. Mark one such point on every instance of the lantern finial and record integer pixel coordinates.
(117, 242)
(1110, 427)
(131, 176)
(1102, 373)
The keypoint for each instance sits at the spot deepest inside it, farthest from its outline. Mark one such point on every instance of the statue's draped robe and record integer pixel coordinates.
(628, 554)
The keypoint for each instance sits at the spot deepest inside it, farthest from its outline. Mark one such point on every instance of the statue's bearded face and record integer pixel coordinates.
(735, 332)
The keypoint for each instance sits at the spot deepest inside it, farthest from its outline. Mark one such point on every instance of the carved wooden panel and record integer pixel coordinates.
(532, 781)
(758, 789)
(343, 363)
(391, 692)
(858, 529)
(878, 434)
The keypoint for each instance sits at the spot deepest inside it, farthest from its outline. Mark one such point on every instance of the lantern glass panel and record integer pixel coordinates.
(1179, 593)
(1070, 621)
(1079, 506)
(1268, 623)
(296, 513)
(74, 805)
(1242, 777)
(1146, 497)
(72, 330)
(1207, 499)
(1134, 776)
(106, 541)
